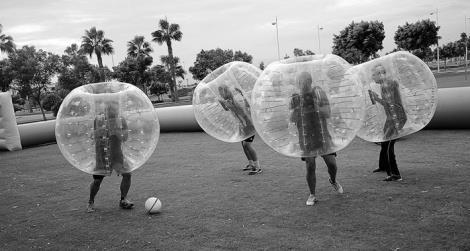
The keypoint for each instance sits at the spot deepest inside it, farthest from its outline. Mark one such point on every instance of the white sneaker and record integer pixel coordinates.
(90, 208)
(336, 186)
(311, 200)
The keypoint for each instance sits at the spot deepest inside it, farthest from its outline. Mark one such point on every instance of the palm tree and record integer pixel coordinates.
(165, 34)
(72, 50)
(6, 43)
(179, 71)
(95, 42)
(138, 46)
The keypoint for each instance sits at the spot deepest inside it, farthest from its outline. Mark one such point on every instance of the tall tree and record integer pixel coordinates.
(358, 42)
(138, 46)
(138, 51)
(6, 75)
(461, 45)
(134, 70)
(95, 42)
(207, 61)
(448, 50)
(33, 71)
(417, 37)
(165, 34)
(179, 71)
(298, 52)
(76, 70)
(6, 42)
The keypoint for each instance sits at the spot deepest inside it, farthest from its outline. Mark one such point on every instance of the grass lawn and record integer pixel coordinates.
(209, 203)
(452, 79)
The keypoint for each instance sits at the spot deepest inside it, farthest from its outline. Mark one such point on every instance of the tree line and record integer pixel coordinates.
(30, 72)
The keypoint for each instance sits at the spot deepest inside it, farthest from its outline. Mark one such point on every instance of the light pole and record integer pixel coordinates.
(318, 31)
(437, 24)
(277, 38)
(466, 44)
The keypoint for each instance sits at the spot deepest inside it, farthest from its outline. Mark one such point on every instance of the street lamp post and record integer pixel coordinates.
(277, 38)
(466, 44)
(437, 24)
(318, 31)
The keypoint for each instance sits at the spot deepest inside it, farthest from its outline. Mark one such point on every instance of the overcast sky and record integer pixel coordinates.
(244, 25)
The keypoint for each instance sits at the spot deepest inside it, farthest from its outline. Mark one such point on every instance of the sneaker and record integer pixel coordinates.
(125, 204)
(336, 186)
(90, 208)
(311, 200)
(248, 167)
(254, 171)
(378, 170)
(393, 178)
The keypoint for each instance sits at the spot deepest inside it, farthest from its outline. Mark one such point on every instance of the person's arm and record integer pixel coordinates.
(324, 104)
(98, 130)
(222, 103)
(371, 96)
(398, 102)
(125, 133)
(376, 98)
(294, 105)
(239, 91)
(396, 93)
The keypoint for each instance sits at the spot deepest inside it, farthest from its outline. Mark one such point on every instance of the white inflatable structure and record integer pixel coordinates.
(9, 135)
(451, 113)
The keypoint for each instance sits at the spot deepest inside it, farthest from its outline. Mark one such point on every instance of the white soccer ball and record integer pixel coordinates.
(153, 205)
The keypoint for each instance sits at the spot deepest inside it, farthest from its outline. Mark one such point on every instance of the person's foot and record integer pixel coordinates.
(90, 208)
(125, 204)
(393, 178)
(336, 186)
(311, 200)
(248, 167)
(255, 170)
(378, 170)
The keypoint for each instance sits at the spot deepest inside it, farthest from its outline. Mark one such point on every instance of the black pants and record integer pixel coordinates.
(387, 159)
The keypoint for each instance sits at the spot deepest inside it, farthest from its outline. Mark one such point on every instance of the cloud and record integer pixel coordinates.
(59, 42)
(76, 17)
(282, 23)
(25, 29)
(352, 3)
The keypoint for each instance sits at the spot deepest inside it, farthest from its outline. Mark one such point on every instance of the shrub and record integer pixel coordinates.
(50, 100)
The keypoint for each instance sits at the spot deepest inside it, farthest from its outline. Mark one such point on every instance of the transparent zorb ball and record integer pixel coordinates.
(107, 126)
(221, 102)
(307, 106)
(400, 96)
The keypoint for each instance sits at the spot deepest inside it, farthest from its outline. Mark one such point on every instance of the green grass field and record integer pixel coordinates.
(209, 203)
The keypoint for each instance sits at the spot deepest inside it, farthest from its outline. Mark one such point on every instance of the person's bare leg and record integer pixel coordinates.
(125, 185)
(311, 180)
(251, 151)
(254, 158)
(246, 150)
(94, 188)
(311, 175)
(330, 161)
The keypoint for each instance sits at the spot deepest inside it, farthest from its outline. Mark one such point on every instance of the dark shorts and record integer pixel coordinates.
(250, 139)
(334, 154)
